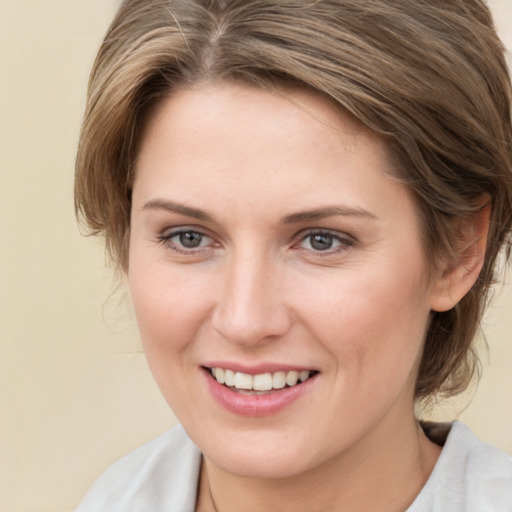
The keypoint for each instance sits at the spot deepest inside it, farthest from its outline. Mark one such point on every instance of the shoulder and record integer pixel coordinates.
(488, 470)
(469, 476)
(162, 475)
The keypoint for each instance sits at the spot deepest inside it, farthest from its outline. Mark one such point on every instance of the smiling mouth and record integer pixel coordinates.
(260, 384)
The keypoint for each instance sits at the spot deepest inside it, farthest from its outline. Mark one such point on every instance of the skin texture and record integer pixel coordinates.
(256, 291)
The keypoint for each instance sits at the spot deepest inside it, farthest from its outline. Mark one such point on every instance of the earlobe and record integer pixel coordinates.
(462, 269)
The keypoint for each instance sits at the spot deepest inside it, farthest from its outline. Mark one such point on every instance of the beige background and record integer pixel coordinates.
(75, 392)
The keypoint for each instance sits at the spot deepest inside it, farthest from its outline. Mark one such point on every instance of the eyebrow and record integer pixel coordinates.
(328, 211)
(308, 215)
(161, 204)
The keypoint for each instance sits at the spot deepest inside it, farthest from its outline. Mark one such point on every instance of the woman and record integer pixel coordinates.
(308, 199)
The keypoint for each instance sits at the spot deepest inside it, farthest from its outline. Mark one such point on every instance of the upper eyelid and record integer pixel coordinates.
(166, 235)
(342, 235)
(176, 230)
(172, 231)
(344, 241)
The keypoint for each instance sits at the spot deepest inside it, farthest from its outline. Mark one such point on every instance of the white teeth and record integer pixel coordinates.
(261, 382)
(243, 381)
(229, 377)
(303, 376)
(291, 378)
(279, 380)
(218, 373)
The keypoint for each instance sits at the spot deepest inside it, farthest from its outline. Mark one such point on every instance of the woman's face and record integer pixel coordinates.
(268, 240)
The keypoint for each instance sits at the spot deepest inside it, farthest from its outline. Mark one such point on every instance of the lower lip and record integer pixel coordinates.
(256, 405)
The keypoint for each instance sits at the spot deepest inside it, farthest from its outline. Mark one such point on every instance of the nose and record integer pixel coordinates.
(250, 310)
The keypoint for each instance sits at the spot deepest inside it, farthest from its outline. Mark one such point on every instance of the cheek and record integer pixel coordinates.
(168, 309)
(373, 324)
(168, 305)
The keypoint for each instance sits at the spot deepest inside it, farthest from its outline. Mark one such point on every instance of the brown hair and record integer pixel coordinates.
(429, 75)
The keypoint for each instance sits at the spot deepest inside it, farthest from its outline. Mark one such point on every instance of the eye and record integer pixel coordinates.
(325, 241)
(321, 241)
(190, 239)
(185, 240)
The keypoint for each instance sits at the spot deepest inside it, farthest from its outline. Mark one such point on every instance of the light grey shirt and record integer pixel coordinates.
(162, 476)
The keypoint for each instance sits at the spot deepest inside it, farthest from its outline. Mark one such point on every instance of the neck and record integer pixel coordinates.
(384, 472)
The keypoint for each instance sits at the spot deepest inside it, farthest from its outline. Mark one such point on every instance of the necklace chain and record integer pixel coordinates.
(210, 490)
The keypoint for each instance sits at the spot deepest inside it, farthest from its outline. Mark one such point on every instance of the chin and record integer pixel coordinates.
(259, 462)
(261, 454)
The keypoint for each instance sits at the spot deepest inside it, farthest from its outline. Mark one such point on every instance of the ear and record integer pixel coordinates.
(460, 271)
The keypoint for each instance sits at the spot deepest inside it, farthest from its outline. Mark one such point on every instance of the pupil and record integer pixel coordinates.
(321, 242)
(190, 239)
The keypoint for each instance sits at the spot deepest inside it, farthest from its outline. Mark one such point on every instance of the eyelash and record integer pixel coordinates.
(166, 238)
(344, 241)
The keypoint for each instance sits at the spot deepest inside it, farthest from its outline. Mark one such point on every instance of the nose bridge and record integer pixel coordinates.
(251, 309)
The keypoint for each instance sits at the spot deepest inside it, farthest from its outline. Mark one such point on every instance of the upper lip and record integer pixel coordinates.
(256, 369)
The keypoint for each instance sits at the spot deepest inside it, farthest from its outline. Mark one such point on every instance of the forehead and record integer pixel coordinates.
(231, 128)
(231, 142)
